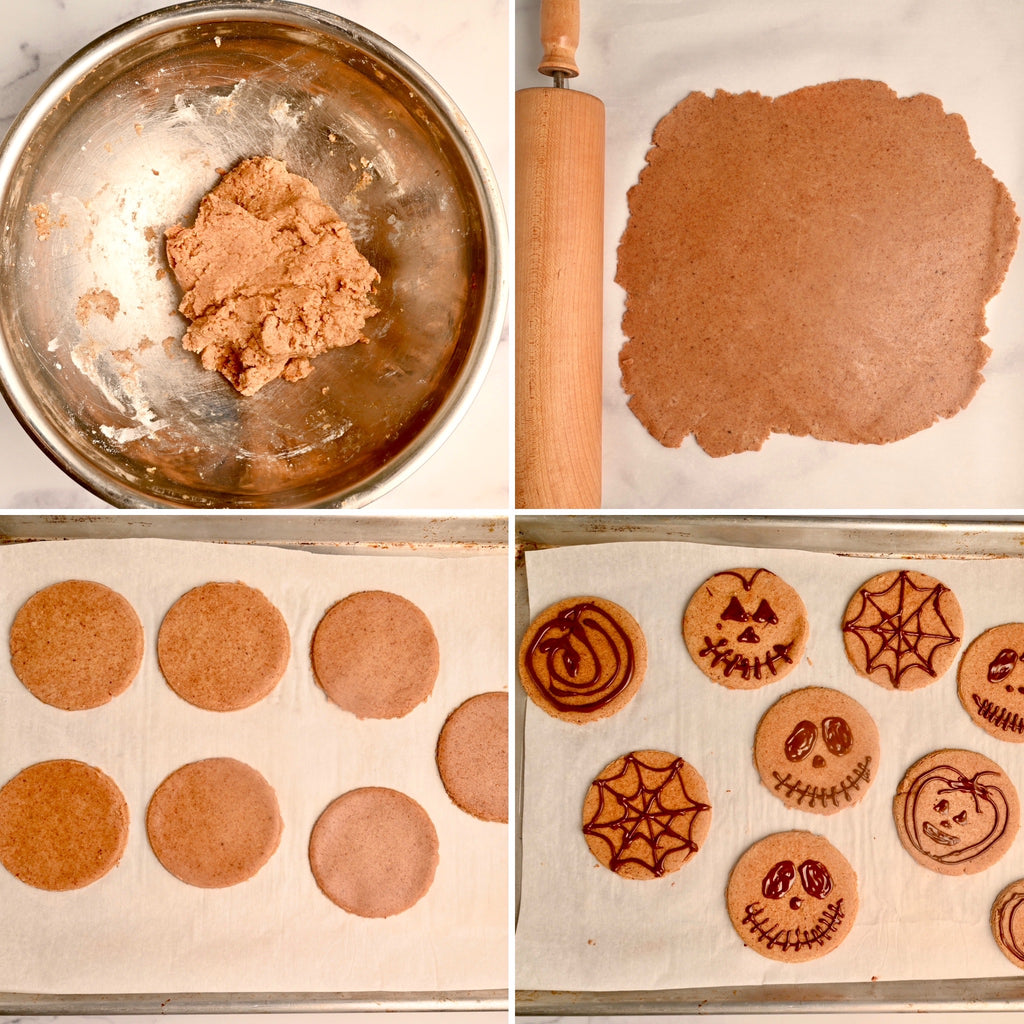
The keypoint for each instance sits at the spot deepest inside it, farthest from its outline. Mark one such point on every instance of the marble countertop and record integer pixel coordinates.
(465, 48)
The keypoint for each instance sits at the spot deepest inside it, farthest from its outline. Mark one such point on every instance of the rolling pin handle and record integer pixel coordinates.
(559, 35)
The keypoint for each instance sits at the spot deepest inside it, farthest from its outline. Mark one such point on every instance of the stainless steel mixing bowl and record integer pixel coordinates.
(122, 143)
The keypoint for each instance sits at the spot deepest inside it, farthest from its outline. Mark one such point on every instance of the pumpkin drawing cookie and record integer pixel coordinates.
(375, 654)
(646, 814)
(817, 750)
(990, 682)
(583, 659)
(76, 645)
(956, 812)
(223, 646)
(745, 628)
(214, 823)
(1007, 920)
(472, 756)
(792, 896)
(902, 629)
(63, 825)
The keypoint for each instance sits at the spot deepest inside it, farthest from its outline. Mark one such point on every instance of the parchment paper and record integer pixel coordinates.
(139, 929)
(581, 927)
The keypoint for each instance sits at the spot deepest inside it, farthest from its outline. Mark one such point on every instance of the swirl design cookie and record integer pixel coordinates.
(990, 682)
(583, 658)
(1007, 921)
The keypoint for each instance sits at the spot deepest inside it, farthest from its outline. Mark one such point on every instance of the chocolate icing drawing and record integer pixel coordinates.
(644, 823)
(999, 715)
(838, 739)
(1009, 920)
(901, 627)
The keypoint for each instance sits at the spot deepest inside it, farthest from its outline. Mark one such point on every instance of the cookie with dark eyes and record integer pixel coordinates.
(990, 681)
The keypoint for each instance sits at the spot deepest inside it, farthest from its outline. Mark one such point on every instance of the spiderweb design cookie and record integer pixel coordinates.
(223, 646)
(472, 756)
(375, 654)
(1007, 920)
(373, 852)
(956, 812)
(646, 814)
(792, 896)
(63, 825)
(990, 681)
(76, 645)
(214, 823)
(767, 235)
(745, 628)
(817, 750)
(902, 629)
(582, 659)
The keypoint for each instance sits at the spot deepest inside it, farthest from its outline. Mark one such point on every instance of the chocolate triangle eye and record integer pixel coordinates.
(734, 612)
(764, 614)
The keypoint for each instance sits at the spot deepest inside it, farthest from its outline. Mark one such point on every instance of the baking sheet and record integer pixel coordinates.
(140, 930)
(577, 919)
(640, 58)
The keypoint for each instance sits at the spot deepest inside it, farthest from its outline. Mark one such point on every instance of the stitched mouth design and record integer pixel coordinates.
(792, 940)
(1000, 717)
(936, 835)
(819, 795)
(720, 652)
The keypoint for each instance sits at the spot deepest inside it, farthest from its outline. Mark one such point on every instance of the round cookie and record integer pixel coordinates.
(223, 646)
(63, 825)
(646, 814)
(373, 852)
(1007, 921)
(745, 628)
(375, 654)
(472, 756)
(214, 823)
(902, 629)
(76, 645)
(956, 812)
(582, 659)
(792, 897)
(990, 682)
(817, 750)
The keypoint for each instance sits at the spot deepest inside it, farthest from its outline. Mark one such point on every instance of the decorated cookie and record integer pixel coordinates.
(956, 812)
(990, 681)
(583, 659)
(472, 756)
(792, 896)
(76, 644)
(646, 814)
(1007, 920)
(745, 628)
(817, 750)
(63, 825)
(902, 629)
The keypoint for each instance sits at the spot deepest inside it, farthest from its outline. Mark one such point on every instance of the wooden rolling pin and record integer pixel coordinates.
(559, 271)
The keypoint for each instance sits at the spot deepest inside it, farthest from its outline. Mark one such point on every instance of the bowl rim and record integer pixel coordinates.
(469, 379)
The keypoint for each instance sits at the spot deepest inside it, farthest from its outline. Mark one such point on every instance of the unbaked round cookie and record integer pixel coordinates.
(902, 629)
(582, 659)
(792, 896)
(63, 825)
(956, 812)
(990, 681)
(223, 646)
(373, 852)
(646, 814)
(214, 823)
(817, 750)
(1007, 921)
(375, 654)
(76, 644)
(745, 628)
(472, 756)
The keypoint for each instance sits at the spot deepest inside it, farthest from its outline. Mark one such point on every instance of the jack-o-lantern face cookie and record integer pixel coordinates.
(902, 629)
(582, 659)
(817, 750)
(792, 897)
(990, 681)
(646, 814)
(745, 628)
(1007, 920)
(956, 812)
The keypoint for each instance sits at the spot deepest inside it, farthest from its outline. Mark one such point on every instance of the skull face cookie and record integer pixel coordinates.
(817, 750)
(990, 682)
(792, 896)
(745, 628)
